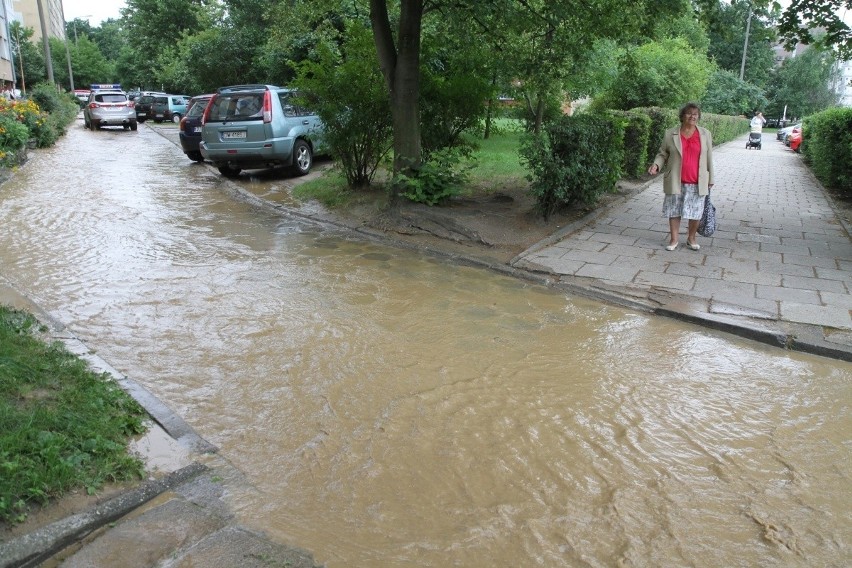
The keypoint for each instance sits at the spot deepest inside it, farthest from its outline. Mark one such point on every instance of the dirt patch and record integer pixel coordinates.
(496, 226)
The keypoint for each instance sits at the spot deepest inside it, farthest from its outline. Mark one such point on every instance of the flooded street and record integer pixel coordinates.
(395, 410)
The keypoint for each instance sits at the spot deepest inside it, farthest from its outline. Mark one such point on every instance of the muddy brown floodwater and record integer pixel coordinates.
(395, 410)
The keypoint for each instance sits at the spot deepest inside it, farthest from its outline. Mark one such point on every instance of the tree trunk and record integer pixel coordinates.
(401, 69)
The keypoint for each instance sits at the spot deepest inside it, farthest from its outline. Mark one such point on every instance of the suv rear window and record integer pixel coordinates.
(237, 106)
(197, 108)
(110, 98)
(161, 100)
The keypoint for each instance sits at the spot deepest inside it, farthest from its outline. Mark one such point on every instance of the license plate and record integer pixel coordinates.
(231, 135)
(196, 129)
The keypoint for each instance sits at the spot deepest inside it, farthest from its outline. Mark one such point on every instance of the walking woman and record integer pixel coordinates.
(686, 160)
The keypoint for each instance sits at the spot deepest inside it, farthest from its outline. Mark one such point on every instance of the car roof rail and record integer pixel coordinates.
(248, 87)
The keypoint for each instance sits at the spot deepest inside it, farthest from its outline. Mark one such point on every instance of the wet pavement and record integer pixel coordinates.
(777, 270)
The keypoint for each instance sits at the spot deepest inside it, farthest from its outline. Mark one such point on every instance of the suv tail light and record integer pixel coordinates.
(182, 124)
(207, 110)
(267, 107)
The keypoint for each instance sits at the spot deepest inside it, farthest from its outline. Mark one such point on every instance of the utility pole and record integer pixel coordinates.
(45, 41)
(745, 45)
(21, 60)
(67, 49)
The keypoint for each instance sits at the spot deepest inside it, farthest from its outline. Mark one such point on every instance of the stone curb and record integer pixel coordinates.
(36, 547)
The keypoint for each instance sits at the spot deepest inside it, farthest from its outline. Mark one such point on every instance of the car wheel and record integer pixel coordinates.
(133, 126)
(176, 118)
(229, 171)
(195, 156)
(158, 121)
(140, 120)
(302, 158)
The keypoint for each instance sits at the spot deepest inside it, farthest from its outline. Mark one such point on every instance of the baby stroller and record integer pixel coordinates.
(753, 140)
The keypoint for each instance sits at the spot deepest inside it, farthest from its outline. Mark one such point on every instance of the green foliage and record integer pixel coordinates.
(575, 159)
(153, 26)
(347, 91)
(62, 427)
(827, 145)
(727, 94)
(47, 114)
(637, 129)
(451, 100)
(724, 128)
(439, 177)
(13, 138)
(89, 64)
(28, 54)
(800, 19)
(686, 26)
(802, 85)
(663, 73)
(727, 30)
(661, 120)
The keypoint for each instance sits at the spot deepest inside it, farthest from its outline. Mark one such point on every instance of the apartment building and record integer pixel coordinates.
(26, 12)
(7, 66)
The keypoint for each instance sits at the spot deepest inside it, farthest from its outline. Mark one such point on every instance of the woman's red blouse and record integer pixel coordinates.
(691, 151)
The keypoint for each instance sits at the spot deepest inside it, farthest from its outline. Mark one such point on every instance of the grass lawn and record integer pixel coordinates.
(496, 165)
(62, 426)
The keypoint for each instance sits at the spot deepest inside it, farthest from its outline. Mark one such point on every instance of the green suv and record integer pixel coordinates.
(248, 127)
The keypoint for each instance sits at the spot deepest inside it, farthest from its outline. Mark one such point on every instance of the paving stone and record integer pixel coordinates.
(817, 315)
(789, 294)
(843, 301)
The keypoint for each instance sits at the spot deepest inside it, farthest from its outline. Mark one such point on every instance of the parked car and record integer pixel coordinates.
(190, 127)
(82, 96)
(169, 107)
(109, 108)
(144, 102)
(795, 140)
(784, 132)
(259, 126)
(797, 129)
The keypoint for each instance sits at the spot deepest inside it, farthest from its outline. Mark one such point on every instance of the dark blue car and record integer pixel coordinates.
(190, 127)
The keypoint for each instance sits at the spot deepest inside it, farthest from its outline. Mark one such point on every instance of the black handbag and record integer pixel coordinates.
(707, 224)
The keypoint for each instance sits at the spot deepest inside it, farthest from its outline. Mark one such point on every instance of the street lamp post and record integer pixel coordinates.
(45, 41)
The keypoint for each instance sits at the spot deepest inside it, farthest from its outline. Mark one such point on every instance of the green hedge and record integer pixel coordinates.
(581, 157)
(575, 159)
(723, 128)
(637, 131)
(827, 147)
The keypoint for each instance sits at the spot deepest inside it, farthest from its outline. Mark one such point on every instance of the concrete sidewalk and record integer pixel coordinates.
(778, 269)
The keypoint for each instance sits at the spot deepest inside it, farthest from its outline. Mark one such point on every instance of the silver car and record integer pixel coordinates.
(259, 126)
(109, 108)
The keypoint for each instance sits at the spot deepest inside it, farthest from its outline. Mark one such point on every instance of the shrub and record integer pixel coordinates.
(13, 138)
(575, 159)
(439, 177)
(348, 93)
(451, 102)
(637, 128)
(723, 128)
(46, 97)
(827, 145)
